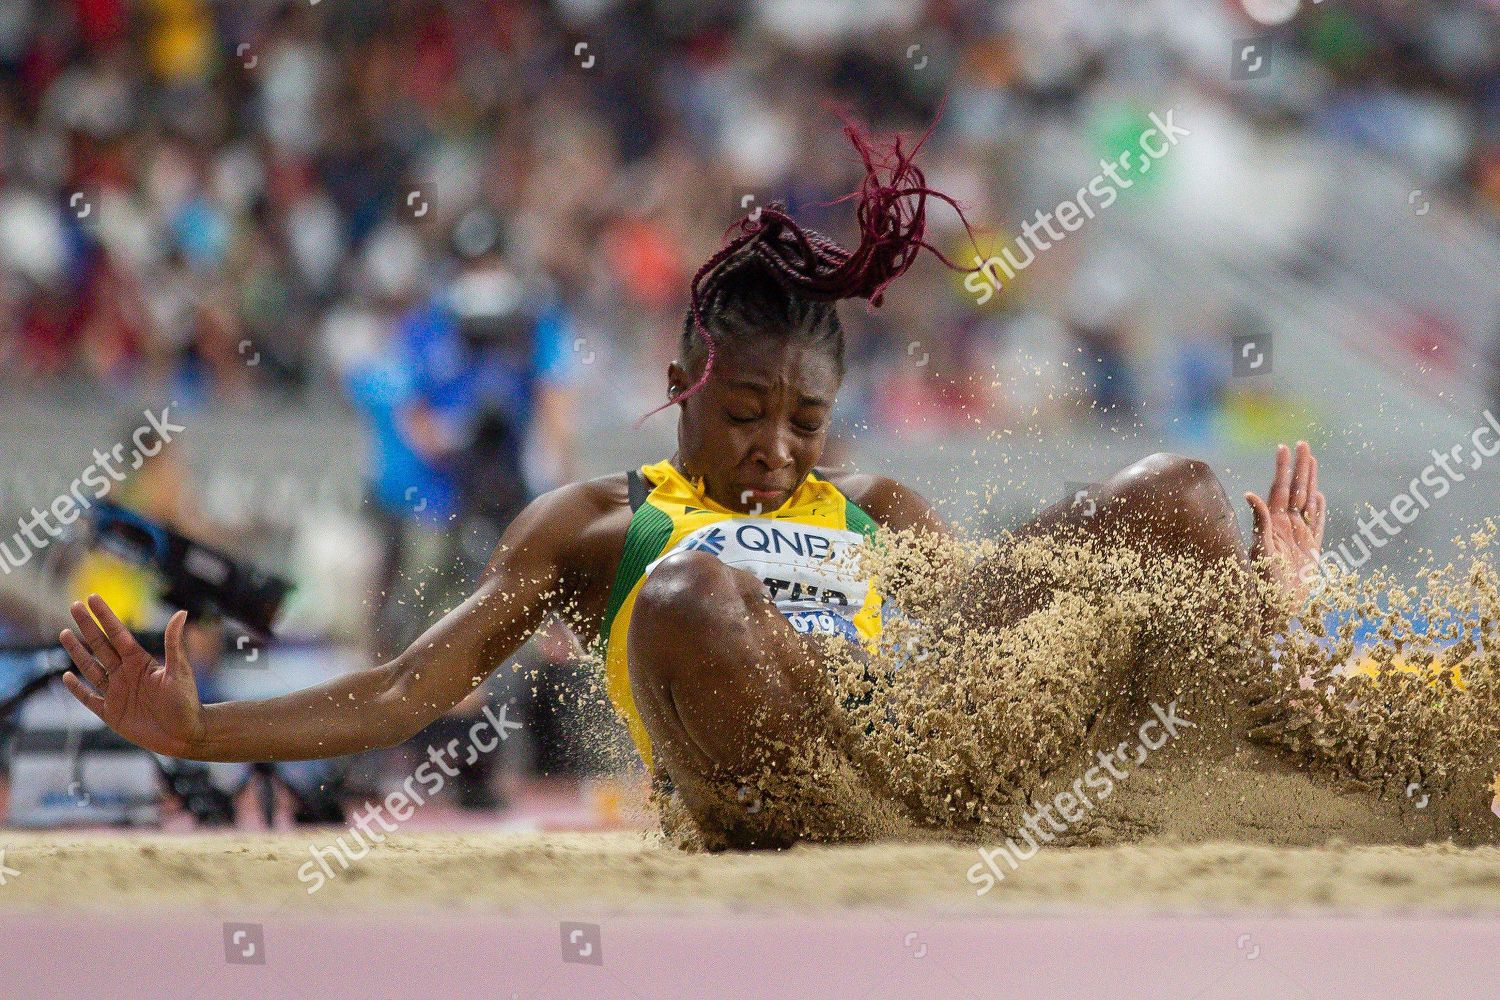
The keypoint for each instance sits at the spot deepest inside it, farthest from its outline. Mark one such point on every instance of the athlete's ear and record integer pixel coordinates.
(677, 380)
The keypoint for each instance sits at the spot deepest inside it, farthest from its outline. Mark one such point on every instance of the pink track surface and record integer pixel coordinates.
(865, 955)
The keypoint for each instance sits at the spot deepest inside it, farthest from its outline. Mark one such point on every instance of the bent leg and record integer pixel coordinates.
(726, 688)
(1164, 506)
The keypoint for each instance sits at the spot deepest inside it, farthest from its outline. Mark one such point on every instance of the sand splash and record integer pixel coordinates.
(1008, 666)
(1418, 715)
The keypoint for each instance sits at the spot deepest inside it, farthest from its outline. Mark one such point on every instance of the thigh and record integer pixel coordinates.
(728, 692)
(1164, 506)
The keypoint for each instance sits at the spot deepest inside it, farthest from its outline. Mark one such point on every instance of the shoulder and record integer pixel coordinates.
(890, 503)
(577, 505)
(571, 528)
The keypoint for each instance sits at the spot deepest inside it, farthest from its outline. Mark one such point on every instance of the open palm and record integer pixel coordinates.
(151, 704)
(1289, 523)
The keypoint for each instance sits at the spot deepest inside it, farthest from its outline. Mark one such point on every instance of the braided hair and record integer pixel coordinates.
(774, 275)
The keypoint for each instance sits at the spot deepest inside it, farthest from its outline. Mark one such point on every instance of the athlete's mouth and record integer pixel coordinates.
(753, 497)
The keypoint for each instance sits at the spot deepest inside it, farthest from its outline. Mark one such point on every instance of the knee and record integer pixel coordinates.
(686, 587)
(1180, 503)
(1181, 487)
(689, 595)
(1174, 469)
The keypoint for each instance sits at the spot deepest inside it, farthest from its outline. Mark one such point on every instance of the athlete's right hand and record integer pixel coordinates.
(153, 705)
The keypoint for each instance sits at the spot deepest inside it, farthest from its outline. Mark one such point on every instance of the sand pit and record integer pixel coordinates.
(627, 872)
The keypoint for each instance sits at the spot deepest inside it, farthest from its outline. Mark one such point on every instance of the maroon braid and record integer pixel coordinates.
(892, 218)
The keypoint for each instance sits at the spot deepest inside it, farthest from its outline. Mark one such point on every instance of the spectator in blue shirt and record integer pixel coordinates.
(469, 379)
(474, 376)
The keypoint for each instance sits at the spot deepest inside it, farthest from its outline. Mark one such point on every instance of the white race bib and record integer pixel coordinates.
(810, 572)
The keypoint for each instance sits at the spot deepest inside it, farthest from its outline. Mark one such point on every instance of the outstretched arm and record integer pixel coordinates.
(156, 704)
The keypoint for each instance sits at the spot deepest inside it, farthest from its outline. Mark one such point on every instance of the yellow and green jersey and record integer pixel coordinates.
(805, 553)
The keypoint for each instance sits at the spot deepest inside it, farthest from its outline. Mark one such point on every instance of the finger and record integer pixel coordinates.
(1319, 506)
(83, 659)
(93, 636)
(91, 701)
(119, 636)
(1300, 469)
(177, 658)
(1262, 515)
(1281, 482)
(1312, 479)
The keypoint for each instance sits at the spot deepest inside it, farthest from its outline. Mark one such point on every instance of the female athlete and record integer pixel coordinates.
(705, 576)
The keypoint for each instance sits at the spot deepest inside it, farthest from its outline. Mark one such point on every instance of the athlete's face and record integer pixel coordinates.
(758, 427)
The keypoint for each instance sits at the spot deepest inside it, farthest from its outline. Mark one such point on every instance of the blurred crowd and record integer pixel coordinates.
(233, 199)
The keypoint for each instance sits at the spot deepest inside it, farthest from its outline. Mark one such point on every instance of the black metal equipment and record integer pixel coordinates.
(31, 669)
(196, 577)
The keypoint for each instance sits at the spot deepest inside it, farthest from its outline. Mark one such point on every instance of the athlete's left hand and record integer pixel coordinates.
(1289, 524)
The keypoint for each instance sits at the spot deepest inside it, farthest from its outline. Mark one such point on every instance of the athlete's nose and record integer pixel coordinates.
(773, 448)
